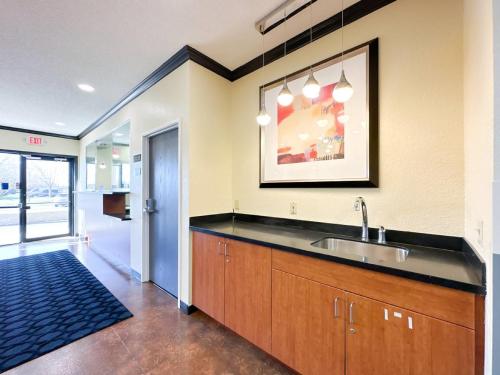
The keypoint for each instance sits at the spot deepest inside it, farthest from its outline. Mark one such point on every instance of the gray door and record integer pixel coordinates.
(163, 219)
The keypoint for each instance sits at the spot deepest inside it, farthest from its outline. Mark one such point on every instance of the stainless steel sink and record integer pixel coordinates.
(365, 250)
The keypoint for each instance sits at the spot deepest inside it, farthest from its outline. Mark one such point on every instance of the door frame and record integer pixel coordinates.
(145, 274)
(73, 174)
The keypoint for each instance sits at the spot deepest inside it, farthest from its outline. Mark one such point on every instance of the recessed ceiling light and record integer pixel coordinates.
(119, 134)
(59, 123)
(85, 87)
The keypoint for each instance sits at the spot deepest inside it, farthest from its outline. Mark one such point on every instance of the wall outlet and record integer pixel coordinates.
(479, 229)
(236, 204)
(293, 208)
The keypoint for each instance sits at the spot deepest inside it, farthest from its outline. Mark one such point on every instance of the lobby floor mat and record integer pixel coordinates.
(48, 301)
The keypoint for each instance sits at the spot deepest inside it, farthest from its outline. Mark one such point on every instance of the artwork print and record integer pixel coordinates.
(311, 130)
(320, 142)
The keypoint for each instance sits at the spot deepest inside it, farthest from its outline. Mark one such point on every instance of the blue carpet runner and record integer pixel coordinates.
(48, 301)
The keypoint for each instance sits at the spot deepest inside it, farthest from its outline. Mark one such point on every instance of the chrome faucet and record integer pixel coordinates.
(360, 204)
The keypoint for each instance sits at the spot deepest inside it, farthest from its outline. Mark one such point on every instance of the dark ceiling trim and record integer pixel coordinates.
(351, 14)
(179, 58)
(184, 54)
(37, 132)
(210, 64)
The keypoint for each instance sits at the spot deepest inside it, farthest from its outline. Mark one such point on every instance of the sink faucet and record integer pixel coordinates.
(360, 204)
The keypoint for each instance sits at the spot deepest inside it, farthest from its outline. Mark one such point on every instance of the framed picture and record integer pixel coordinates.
(320, 142)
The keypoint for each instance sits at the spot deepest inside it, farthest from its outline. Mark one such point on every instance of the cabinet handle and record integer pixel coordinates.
(352, 330)
(335, 307)
(226, 254)
(218, 248)
(351, 313)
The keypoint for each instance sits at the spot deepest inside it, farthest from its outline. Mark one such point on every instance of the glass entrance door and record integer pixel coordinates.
(47, 198)
(10, 198)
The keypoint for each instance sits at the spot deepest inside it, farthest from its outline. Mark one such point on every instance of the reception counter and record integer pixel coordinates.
(104, 219)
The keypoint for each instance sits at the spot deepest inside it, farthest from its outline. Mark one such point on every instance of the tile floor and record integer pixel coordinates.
(159, 339)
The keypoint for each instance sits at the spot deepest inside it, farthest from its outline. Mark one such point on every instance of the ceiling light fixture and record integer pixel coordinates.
(86, 87)
(59, 123)
(343, 90)
(285, 97)
(263, 118)
(311, 88)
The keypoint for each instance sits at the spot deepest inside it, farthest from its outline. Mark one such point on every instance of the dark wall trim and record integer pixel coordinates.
(351, 14)
(166, 68)
(37, 132)
(187, 309)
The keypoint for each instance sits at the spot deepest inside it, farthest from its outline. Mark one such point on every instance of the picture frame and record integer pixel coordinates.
(306, 145)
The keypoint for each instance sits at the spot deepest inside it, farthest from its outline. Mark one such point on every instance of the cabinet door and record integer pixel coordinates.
(308, 331)
(208, 275)
(383, 339)
(248, 292)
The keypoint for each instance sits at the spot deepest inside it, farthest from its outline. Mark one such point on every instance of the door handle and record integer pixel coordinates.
(150, 206)
(218, 248)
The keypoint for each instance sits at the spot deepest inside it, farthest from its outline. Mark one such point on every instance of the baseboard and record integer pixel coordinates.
(136, 275)
(187, 309)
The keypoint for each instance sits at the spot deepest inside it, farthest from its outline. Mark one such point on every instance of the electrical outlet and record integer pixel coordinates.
(479, 229)
(293, 208)
(236, 204)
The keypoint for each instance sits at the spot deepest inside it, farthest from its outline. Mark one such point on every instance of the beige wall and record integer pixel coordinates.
(478, 140)
(478, 122)
(205, 152)
(421, 124)
(12, 140)
(210, 167)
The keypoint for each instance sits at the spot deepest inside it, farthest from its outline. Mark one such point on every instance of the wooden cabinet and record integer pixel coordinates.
(321, 317)
(248, 292)
(384, 339)
(208, 274)
(308, 325)
(232, 284)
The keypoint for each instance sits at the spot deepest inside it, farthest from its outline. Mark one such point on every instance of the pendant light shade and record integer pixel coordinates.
(285, 97)
(311, 87)
(263, 118)
(343, 90)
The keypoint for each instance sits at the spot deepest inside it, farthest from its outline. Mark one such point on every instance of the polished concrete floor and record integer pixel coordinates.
(159, 339)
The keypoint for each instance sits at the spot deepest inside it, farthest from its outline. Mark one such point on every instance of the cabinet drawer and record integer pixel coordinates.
(447, 304)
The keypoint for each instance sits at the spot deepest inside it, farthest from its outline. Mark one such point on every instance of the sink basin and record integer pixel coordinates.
(365, 250)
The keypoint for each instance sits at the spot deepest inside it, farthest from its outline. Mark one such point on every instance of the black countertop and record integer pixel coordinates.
(457, 268)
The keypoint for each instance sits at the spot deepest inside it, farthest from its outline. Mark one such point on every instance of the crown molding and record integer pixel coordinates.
(37, 132)
(186, 53)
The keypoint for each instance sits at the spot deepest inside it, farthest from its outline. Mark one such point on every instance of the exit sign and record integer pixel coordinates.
(33, 140)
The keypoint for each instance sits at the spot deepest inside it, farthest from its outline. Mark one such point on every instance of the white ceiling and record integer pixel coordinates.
(48, 47)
